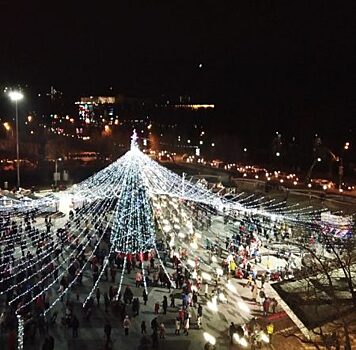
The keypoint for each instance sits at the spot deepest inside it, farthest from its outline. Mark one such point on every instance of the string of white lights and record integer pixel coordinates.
(55, 280)
(46, 253)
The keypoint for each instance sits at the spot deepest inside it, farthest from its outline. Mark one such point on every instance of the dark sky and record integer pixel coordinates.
(278, 55)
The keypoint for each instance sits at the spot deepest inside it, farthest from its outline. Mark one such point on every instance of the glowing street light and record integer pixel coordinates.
(277, 154)
(16, 96)
(56, 170)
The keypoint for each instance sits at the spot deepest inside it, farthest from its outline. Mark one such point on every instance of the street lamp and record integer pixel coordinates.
(316, 160)
(17, 96)
(56, 171)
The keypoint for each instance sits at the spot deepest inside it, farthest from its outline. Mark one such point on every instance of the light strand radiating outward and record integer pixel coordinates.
(124, 205)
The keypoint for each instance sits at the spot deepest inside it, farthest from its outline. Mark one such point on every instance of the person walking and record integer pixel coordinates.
(154, 325)
(232, 331)
(136, 306)
(254, 291)
(274, 304)
(261, 297)
(138, 279)
(199, 322)
(200, 310)
(106, 301)
(165, 305)
(126, 325)
(111, 293)
(143, 328)
(194, 298)
(186, 326)
(145, 297)
(156, 308)
(162, 331)
(128, 295)
(263, 280)
(172, 300)
(177, 326)
(113, 273)
(98, 295)
(107, 331)
(265, 305)
(270, 330)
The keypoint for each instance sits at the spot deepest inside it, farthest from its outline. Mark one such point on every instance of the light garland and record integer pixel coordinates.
(135, 191)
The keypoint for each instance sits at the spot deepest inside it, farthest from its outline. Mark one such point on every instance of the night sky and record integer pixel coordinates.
(288, 62)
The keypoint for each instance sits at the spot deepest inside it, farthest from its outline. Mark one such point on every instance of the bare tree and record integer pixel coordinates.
(327, 282)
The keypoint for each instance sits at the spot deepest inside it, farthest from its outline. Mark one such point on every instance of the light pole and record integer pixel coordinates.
(17, 96)
(311, 169)
(56, 171)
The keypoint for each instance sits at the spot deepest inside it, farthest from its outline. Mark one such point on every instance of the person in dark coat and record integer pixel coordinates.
(145, 297)
(106, 301)
(165, 304)
(136, 306)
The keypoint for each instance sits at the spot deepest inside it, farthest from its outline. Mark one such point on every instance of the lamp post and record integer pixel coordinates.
(311, 169)
(56, 171)
(17, 96)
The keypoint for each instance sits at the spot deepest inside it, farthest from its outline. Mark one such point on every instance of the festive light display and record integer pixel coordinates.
(131, 205)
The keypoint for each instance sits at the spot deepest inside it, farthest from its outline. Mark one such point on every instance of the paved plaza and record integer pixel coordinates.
(137, 227)
(91, 333)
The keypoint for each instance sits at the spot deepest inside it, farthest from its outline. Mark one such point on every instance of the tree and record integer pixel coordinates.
(326, 289)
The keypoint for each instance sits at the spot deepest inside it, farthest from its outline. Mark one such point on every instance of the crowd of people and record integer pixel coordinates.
(45, 262)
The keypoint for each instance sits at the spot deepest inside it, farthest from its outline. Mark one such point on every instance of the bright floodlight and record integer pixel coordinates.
(15, 95)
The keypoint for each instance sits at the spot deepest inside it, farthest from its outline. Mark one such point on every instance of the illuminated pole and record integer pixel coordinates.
(17, 147)
(183, 179)
(311, 169)
(341, 173)
(56, 171)
(17, 96)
